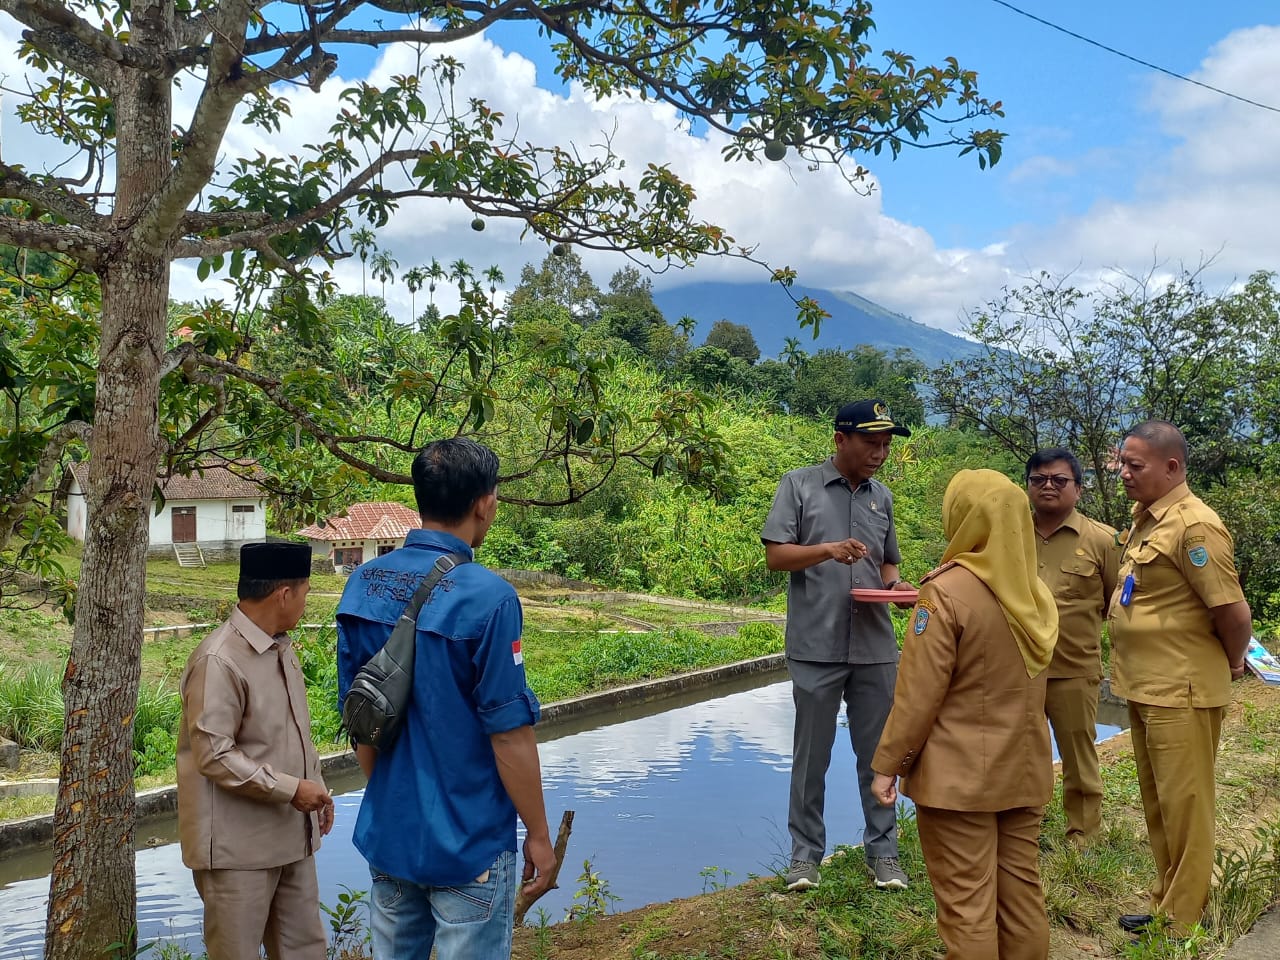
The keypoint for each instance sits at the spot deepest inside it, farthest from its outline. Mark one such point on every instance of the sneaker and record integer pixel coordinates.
(888, 873)
(802, 875)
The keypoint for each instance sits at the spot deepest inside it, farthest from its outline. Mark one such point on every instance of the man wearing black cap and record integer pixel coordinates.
(252, 805)
(831, 528)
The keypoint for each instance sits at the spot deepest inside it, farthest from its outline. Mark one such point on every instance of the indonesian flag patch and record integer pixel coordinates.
(516, 655)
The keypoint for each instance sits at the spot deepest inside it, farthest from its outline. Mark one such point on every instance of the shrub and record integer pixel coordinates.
(31, 706)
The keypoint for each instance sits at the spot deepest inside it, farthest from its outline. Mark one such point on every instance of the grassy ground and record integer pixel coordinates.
(569, 650)
(179, 595)
(1085, 890)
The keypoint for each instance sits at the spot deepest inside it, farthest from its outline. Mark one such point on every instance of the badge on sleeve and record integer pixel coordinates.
(1198, 556)
(922, 620)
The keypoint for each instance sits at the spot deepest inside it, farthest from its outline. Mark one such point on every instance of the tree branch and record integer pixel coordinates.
(78, 58)
(50, 456)
(54, 26)
(273, 390)
(16, 185)
(524, 902)
(197, 221)
(85, 246)
(223, 91)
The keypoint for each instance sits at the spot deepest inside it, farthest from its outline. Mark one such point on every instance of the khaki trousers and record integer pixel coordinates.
(278, 908)
(1175, 749)
(1071, 703)
(985, 870)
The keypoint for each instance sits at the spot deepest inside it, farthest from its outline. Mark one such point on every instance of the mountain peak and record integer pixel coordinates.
(767, 310)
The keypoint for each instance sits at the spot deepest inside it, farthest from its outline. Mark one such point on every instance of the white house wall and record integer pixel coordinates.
(370, 548)
(219, 529)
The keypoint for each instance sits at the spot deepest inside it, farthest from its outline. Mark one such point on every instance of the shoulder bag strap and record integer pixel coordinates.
(443, 565)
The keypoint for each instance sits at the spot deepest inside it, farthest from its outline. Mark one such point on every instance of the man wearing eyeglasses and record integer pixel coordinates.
(1078, 561)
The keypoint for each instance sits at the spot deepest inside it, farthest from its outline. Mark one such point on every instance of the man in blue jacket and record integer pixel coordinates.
(438, 820)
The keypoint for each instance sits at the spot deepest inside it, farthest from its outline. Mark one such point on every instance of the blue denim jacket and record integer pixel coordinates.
(435, 811)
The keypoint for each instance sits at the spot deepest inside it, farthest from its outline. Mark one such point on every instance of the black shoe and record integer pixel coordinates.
(1135, 922)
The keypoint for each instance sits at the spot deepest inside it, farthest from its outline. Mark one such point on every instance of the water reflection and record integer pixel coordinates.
(662, 792)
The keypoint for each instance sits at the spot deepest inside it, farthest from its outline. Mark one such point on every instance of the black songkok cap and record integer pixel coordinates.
(868, 416)
(275, 561)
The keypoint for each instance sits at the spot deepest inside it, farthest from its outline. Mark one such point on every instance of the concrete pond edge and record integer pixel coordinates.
(21, 835)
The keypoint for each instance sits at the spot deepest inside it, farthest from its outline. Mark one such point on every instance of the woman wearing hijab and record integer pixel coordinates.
(967, 733)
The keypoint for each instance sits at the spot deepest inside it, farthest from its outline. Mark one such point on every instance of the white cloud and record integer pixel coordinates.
(1213, 195)
(1042, 167)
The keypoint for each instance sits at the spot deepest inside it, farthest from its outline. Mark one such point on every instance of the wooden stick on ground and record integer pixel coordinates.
(523, 901)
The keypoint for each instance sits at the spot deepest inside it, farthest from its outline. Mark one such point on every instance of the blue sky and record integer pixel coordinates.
(1109, 169)
(1064, 99)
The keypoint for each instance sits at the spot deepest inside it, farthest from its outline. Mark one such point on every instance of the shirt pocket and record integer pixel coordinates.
(1079, 578)
(872, 528)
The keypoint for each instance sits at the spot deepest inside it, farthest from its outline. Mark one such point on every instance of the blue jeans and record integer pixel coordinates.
(467, 922)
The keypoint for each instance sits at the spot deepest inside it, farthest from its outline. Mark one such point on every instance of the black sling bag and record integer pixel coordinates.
(374, 708)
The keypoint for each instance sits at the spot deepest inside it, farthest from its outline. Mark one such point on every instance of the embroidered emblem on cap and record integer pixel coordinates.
(922, 620)
(881, 411)
(1198, 556)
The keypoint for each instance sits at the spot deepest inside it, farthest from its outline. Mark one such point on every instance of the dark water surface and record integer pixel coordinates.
(662, 792)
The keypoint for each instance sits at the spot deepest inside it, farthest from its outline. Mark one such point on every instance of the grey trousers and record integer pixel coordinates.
(817, 689)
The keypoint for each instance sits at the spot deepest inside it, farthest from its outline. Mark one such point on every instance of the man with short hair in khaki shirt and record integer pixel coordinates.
(1078, 559)
(252, 805)
(1179, 630)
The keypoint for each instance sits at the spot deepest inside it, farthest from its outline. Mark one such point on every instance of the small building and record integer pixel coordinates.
(364, 531)
(217, 507)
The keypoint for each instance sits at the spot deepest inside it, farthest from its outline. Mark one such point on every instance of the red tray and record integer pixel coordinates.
(885, 596)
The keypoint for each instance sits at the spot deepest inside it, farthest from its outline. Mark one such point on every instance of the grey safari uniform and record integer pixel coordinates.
(836, 648)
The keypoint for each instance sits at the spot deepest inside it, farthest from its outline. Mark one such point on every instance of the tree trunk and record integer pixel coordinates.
(92, 896)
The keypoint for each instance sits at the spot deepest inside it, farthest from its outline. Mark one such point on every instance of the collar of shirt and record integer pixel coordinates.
(1073, 522)
(1158, 509)
(258, 638)
(438, 540)
(831, 475)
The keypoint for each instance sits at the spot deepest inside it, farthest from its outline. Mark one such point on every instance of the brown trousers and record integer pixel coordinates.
(1175, 749)
(1071, 704)
(278, 908)
(985, 870)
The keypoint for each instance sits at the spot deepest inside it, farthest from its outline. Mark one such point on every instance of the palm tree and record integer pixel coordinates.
(685, 325)
(384, 269)
(792, 355)
(460, 273)
(435, 273)
(414, 278)
(494, 276)
(364, 243)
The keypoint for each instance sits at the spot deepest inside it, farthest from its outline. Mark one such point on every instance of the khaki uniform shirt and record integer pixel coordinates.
(244, 744)
(1078, 563)
(1164, 649)
(967, 728)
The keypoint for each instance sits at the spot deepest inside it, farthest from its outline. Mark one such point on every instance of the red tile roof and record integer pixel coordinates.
(208, 482)
(366, 521)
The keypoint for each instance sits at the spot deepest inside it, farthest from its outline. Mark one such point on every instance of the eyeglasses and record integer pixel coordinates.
(1059, 482)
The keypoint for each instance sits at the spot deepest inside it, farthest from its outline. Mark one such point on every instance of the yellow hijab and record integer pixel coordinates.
(987, 522)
